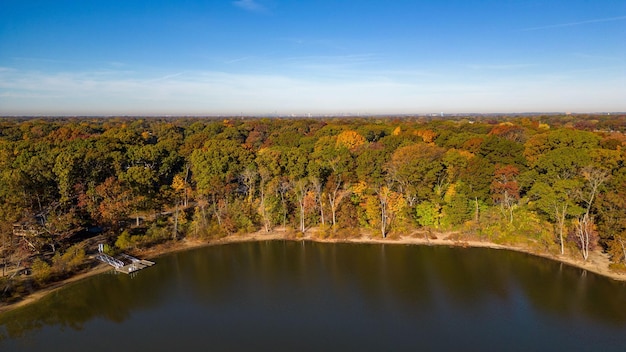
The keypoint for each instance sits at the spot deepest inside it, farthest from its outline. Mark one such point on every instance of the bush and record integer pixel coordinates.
(618, 267)
(212, 231)
(71, 260)
(455, 212)
(291, 233)
(42, 272)
(124, 241)
(12, 290)
(345, 233)
(108, 250)
(244, 217)
(154, 234)
(428, 214)
(324, 231)
(393, 235)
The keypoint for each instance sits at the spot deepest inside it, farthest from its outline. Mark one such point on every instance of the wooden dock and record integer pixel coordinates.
(135, 265)
(128, 265)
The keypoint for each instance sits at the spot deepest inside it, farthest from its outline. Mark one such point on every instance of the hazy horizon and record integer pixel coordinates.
(320, 115)
(262, 57)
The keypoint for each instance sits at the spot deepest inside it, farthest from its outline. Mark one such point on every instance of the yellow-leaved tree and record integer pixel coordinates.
(350, 139)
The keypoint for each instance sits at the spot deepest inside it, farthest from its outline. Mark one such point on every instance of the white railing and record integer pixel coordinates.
(109, 260)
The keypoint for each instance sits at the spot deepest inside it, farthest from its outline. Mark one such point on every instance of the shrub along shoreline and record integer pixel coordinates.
(597, 263)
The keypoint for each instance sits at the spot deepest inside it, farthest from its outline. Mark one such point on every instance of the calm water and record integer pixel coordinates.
(287, 296)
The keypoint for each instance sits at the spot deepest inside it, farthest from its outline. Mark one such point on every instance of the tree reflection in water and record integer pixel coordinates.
(338, 290)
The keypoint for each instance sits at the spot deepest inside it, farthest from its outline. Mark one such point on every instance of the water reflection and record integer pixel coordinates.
(338, 290)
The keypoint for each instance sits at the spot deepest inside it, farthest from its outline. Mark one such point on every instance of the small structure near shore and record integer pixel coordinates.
(130, 265)
(27, 233)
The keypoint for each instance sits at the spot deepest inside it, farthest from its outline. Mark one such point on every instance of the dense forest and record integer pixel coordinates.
(556, 184)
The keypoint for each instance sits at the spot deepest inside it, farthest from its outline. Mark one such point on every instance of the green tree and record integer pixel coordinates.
(475, 181)
(369, 164)
(428, 213)
(42, 272)
(502, 151)
(124, 241)
(557, 200)
(418, 170)
(612, 217)
(456, 209)
(540, 144)
(562, 163)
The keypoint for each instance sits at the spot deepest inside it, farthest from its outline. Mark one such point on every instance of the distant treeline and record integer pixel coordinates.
(555, 183)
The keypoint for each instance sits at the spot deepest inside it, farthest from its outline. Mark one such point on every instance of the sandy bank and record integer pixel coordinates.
(597, 263)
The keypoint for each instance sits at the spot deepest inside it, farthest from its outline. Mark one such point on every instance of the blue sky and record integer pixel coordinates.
(322, 57)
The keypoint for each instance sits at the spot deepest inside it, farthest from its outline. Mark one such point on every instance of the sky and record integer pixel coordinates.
(255, 57)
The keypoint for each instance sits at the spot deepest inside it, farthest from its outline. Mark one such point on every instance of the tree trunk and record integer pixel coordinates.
(333, 210)
(216, 210)
(300, 196)
(186, 202)
(266, 220)
(476, 213)
(302, 228)
(383, 219)
(560, 216)
(333, 200)
(322, 210)
(561, 238)
(317, 186)
(383, 214)
(203, 212)
(175, 233)
(301, 188)
(282, 189)
(583, 232)
(595, 178)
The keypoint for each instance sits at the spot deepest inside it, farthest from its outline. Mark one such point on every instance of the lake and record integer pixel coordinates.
(287, 296)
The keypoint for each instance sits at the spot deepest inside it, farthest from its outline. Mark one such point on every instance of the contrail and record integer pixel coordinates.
(620, 18)
(166, 77)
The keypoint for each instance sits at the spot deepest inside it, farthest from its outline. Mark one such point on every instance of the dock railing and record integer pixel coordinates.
(135, 263)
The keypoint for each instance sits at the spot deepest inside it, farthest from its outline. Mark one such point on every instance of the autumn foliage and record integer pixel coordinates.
(140, 181)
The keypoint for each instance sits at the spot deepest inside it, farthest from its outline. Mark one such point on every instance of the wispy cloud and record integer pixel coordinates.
(44, 60)
(499, 67)
(250, 5)
(239, 59)
(579, 23)
(335, 59)
(372, 91)
(327, 43)
(330, 67)
(201, 92)
(165, 77)
(596, 57)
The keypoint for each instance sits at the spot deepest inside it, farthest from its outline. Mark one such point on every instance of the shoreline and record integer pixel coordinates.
(595, 265)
